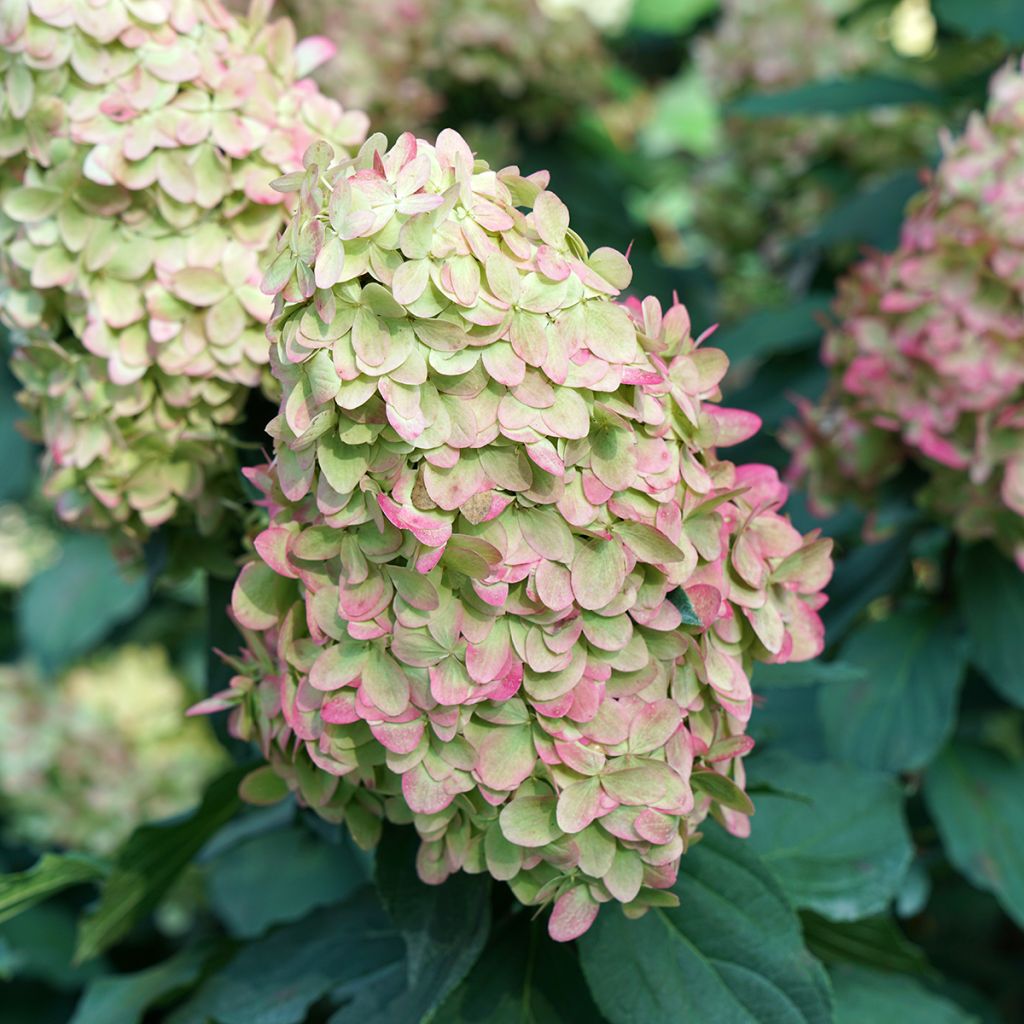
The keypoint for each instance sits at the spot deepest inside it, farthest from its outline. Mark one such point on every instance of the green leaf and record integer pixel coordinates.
(838, 96)
(275, 980)
(148, 864)
(833, 836)
(872, 942)
(686, 118)
(71, 606)
(770, 332)
(974, 795)
(731, 953)
(444, 927)
(38, 945)
(864, 996)
(49, 875)
(522, 978)
(670, 17)
(993, 17)
(124, 998)
(899, 715)
(682, 601)
(991, 591)
(19, 456)
(277, 877)
(872, 217)
(804, 673)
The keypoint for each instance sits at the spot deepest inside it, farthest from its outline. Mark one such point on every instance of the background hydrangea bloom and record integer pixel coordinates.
(928, 354)
(508, 591)
(87, 758)
(403, 61)
(755, 189)
(139, 140)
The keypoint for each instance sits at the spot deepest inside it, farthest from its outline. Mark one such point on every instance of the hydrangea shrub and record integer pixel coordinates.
(138, 140)
(927, 357)
(88, 757)
(508, 592)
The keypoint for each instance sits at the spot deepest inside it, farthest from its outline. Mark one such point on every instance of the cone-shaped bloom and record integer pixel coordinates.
(88, 757)
(928, 354)
(508, 592)
(138, 141)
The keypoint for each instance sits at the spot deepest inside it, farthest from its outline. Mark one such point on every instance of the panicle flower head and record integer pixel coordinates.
(508, 593)
(87, 758)
(927, 357)
(403, 60)
(139, 139)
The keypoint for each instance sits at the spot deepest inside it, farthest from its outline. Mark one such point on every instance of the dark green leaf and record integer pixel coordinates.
(444, 928)
(124, 998)
(50, 874)
(974, 795)
(844, 848)
(19, 457)
(864, 996)
(39, 944)
(873, 942)
(898, 716)
(993, 17)
(522, 978)
(991, 590)
(681, 600)
(838, 96)
(275, 979)
(769, 332)
(148, 864)
(669, 17)
(278, 877)
(804, 673)
(731, 953)
(872, 217)
(71, 606)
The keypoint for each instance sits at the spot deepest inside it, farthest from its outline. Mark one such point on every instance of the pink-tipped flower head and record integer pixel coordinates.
(508, 593)
(140, 140)
(927, 356)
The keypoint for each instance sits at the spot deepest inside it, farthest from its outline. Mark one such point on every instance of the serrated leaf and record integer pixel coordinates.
(731, 953)
(833, 836)
(991, 592)
(974, 796)
(899, 714)
(148, 863)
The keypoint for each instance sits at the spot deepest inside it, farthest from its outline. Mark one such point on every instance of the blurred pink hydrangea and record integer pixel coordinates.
(404, 60)
(928, 355)
(508, 592)
(138, 141)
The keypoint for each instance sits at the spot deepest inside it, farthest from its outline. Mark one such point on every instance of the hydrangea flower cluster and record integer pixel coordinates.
(742, 208)
(86, 759)
(928, 355)
(508, 592)
(403, 60)
(138, 141)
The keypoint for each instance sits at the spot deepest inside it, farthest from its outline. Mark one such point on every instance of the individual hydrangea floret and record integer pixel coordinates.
(927, 357)
(87, 758)
(508, 593)
(138, 142)
(406, 61)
